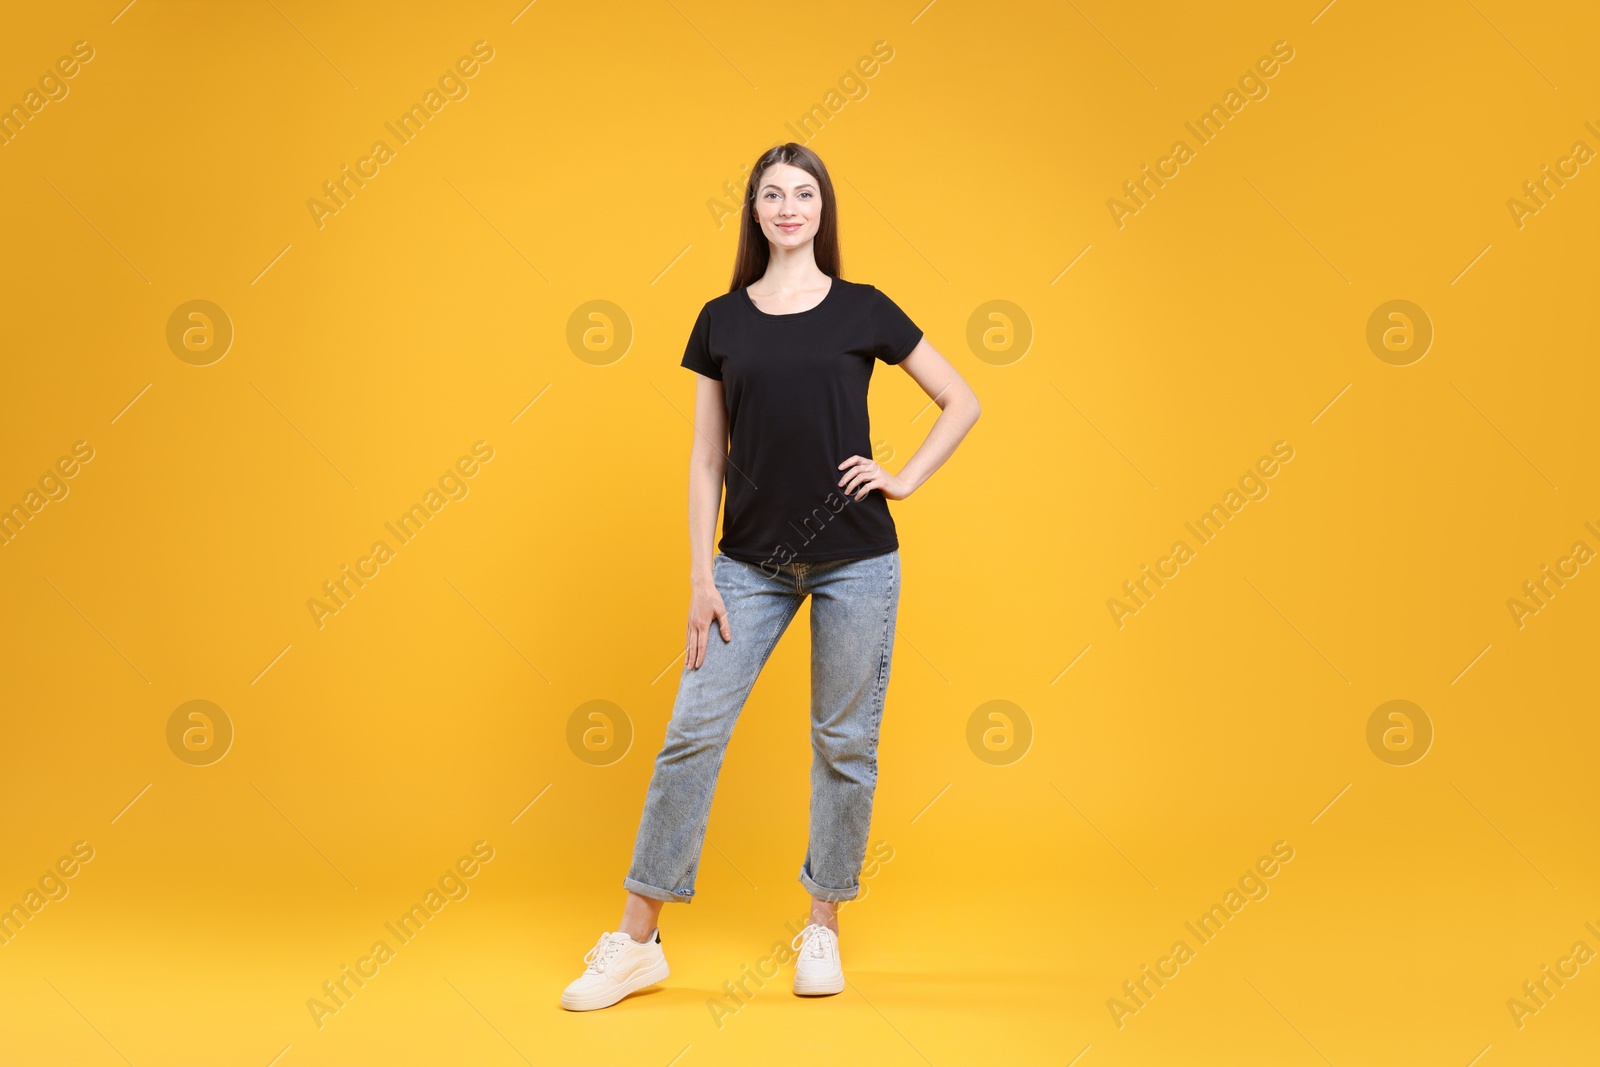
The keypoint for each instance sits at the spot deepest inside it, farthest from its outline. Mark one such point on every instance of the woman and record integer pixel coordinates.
(784, 359)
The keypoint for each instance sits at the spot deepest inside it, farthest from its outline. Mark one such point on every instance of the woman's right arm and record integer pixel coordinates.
(708, 460)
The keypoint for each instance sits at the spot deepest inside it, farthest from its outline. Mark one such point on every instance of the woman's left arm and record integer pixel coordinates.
(958, 410)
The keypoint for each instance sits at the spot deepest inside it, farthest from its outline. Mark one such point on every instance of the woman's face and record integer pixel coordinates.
(788, 205)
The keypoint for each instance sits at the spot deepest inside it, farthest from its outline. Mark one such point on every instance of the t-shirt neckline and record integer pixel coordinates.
(751, 304)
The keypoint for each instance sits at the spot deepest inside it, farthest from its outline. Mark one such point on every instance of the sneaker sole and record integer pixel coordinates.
(632, 985)
(818, 987)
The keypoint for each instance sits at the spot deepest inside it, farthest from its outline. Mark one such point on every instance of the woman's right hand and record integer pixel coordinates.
(705, 605)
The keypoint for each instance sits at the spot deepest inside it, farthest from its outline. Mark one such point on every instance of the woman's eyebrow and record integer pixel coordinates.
(802, 185)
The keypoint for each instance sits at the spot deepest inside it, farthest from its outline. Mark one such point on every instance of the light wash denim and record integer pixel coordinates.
(854, 603)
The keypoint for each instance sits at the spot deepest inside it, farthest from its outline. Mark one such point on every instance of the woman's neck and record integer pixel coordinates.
(792, 271)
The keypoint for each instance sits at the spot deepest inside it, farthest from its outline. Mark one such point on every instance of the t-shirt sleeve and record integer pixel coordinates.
(697, 352)
(894, 334)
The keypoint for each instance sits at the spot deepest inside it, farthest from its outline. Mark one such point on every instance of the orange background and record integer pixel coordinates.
(1131, 377)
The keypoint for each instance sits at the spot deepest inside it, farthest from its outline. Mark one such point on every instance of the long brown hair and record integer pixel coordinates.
(750, 263)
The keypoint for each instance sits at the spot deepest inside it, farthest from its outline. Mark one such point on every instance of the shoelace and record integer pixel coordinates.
(601, 954)
(811, 938)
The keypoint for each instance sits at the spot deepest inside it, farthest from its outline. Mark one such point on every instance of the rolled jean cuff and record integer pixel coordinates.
(656, 893)
(822, 892)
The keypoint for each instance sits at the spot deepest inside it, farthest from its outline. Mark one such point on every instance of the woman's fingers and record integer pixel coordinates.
(861, 476)
(862, 484)
(700, 635)
(700, 630)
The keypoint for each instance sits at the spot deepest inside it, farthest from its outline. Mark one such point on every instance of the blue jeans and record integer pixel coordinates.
(854, 603)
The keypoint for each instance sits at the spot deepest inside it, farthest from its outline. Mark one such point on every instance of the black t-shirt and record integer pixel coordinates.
(796, 392)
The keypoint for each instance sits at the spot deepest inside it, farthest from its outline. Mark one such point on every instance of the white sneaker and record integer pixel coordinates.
(817, 970)
(617, 965)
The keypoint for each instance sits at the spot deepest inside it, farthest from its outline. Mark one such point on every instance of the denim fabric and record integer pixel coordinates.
(854, 603)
